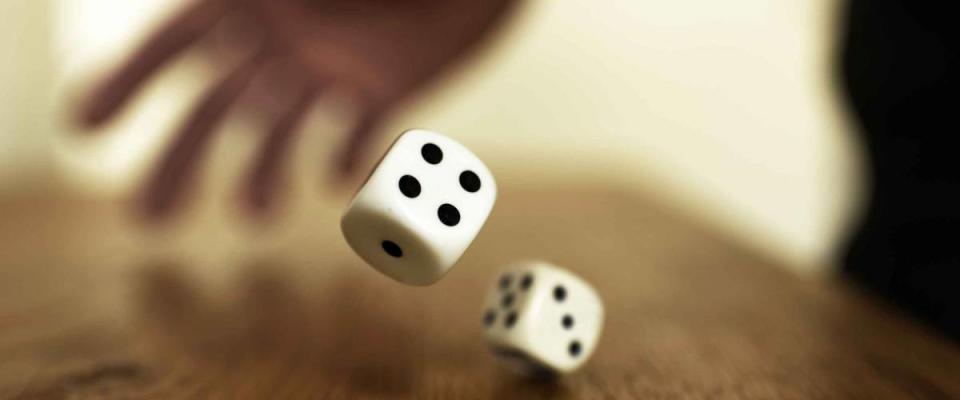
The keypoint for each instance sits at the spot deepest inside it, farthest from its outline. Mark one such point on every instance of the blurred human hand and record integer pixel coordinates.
(380, 51)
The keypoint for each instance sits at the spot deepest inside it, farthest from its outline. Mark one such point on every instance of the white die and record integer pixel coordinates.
(420, 208)
(542, 318)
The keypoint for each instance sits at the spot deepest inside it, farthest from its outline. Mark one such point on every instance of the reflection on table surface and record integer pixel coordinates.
(689, 315)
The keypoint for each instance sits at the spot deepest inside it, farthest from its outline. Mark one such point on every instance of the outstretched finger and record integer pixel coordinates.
(260, 188)
(173, 174)
(169, 40)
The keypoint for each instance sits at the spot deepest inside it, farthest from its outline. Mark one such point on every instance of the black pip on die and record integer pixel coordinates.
(539, 317)
(420, 208)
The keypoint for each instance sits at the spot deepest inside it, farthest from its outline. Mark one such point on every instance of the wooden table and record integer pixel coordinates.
(690, 315)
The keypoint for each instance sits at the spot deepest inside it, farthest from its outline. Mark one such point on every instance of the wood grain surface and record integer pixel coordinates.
(690, 315)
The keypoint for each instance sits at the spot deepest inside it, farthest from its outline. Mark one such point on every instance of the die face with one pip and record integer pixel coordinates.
(542, 318)
(420, 208)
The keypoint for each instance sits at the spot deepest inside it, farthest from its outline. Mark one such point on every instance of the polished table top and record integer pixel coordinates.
(690, 315)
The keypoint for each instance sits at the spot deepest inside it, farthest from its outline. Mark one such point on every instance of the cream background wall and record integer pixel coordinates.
(26, 91)
(725, 109)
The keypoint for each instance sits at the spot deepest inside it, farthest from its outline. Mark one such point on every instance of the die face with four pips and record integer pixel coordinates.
(539, 317)
(421, 207)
